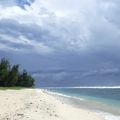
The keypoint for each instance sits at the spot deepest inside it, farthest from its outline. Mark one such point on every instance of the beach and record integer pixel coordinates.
(37, 104)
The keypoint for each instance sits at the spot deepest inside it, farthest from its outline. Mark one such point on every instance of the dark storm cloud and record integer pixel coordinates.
(25, 36)
(77, 40)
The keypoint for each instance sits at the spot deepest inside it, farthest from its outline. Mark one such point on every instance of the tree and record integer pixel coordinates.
(25, 80)
(4, 71)
(10, 75)
(13, 76)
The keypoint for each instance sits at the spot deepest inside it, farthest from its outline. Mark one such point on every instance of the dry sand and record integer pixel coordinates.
(36, 104)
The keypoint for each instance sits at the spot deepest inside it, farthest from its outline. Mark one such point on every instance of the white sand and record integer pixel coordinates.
(35, 104)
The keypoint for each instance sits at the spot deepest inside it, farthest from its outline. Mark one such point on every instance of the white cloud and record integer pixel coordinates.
(78, 25)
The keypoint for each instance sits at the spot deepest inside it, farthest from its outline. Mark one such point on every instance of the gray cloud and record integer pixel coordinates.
(79, 78)
(79, 35)
(88, 27)
(28, 38)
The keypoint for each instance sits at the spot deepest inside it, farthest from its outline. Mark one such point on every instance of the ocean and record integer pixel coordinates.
(106, 101)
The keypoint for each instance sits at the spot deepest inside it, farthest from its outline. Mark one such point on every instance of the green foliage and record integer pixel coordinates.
(4, 71)
(10, 76)
(25, 80)
(13, 76)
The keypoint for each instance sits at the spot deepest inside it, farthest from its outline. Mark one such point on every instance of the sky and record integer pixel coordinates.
(63, 43)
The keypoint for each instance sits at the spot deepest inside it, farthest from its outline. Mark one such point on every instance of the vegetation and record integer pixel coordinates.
(10, 76)
(11, 88)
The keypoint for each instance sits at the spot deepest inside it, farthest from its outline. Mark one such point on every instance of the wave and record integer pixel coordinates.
(63, 95)
(108, 116)
(102, 87)
(91, 87)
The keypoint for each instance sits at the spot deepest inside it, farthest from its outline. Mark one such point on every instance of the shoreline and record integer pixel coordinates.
(87, 103)
(107, 111)
(37, 104)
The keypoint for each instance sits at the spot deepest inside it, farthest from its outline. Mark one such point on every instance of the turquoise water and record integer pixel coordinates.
(107, 100)
(110, 96)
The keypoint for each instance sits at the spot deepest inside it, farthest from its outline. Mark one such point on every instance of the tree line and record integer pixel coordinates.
(11, 76)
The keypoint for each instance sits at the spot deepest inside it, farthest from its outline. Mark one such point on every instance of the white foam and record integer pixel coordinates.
(91, 87)
(63, 95)
(101, 87)
(108, 116)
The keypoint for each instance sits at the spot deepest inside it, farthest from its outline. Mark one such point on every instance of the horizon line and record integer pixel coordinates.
(91, 87)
